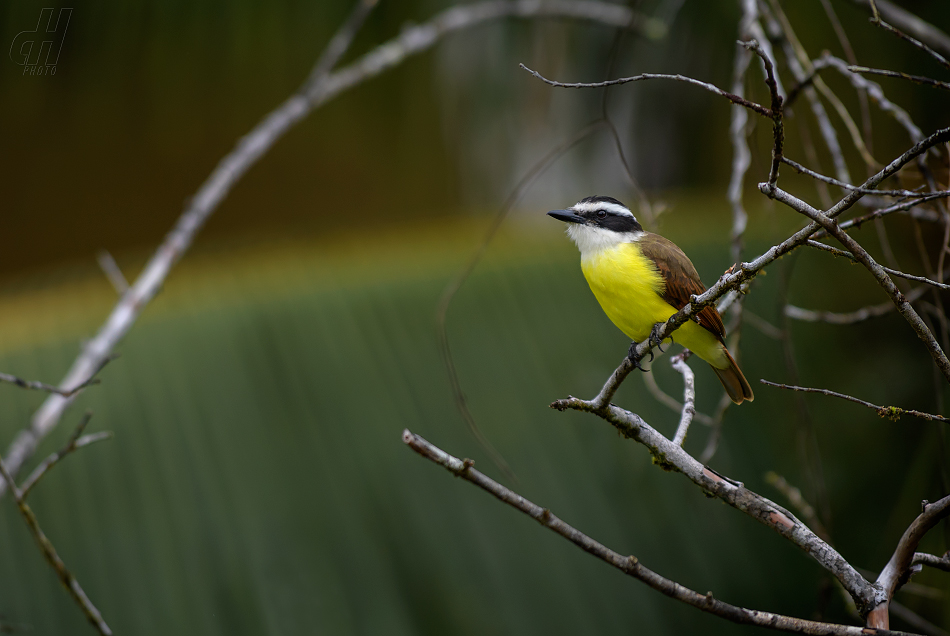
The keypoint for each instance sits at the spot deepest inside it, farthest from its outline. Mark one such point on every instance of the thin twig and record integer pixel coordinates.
(847, 186)
(111, 269)
(917, 79)
(627, 564)
(250, 148)
(926, 36)
(932, 561)
(889, 412)
(903, 306)
(775, 112)
(76, 441)
(893, 272)
(49, 388)
(65, 576)
(875, 92)
(735, 99)
(926, 215)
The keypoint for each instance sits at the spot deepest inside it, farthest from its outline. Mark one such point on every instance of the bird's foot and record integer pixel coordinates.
(632, 356)
(655, 339)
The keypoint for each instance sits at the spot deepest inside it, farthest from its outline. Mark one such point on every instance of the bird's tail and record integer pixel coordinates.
(733, 381)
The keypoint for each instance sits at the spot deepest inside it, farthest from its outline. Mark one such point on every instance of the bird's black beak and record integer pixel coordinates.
(568, 216)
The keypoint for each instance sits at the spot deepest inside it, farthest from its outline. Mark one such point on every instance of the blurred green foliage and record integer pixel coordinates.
(257, 482)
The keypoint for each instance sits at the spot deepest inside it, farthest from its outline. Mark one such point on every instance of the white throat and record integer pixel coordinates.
(592, 240)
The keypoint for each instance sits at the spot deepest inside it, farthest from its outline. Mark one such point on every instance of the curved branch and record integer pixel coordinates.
(629, 565)
(898, 568)
(672, 457)
(900, 301)
(735, 99)
(890, 412)
(320, 86)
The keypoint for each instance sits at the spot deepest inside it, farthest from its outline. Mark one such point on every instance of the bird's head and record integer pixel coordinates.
(599, 222)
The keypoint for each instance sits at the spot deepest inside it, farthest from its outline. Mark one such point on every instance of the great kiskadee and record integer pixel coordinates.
(641, 279)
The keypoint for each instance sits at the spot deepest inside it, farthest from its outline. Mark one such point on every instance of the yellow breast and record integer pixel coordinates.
(630, 290)
(628, 287)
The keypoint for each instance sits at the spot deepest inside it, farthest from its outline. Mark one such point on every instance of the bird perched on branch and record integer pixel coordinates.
(641, 279)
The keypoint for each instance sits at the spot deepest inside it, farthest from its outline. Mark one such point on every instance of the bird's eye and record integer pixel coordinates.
(601, 214)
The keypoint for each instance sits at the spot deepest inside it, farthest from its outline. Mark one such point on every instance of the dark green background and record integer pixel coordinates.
(257, 482)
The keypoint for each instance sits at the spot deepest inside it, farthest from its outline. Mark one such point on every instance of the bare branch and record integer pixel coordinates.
(672, 457)
(689, 396)
(889, 412)
(775, 112)
(933, 561)
(926, 36)
(318, 89)
(875, 92)
(926, 215)
(627, 564)
(898, 568)
(49, 388)
(735, 99)
(847, 186)
(111, 269)
(903, 306)
(917, 79)
(65, 576)
(893, 272)
(76, 441)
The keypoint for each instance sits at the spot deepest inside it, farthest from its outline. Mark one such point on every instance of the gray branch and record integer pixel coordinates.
(889, 412)
(901, 302)
(932, 560)
(735, 99)
(320, 87)
(630, 565)
(911, 24)
(898, 568)
(672, 457)
(689, 396)
(917, 79)
(65, 576)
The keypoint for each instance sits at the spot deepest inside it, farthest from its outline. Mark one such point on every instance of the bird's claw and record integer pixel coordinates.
(632, 356)
(655, 339)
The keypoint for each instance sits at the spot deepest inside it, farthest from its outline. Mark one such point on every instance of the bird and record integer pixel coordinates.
(641, 279)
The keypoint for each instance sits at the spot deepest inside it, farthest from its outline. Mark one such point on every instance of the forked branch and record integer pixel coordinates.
(629, 565)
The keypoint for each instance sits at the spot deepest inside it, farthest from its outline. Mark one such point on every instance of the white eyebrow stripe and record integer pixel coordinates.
(601, 205)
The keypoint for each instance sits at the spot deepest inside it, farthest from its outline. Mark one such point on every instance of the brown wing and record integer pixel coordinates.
(682, 279)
